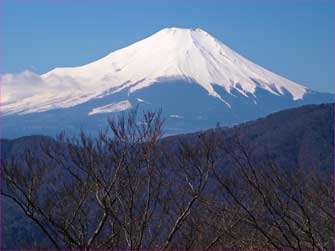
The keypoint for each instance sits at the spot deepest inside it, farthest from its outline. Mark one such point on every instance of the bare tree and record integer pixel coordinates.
(129, 189)
(284, 209)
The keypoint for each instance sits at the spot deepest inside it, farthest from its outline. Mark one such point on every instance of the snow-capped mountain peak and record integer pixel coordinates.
(172, 53)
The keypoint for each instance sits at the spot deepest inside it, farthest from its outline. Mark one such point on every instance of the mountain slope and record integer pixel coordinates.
(171, 69)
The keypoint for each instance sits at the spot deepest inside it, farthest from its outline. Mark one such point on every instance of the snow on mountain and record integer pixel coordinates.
(176, 116)
(172, 53)
(114, 107)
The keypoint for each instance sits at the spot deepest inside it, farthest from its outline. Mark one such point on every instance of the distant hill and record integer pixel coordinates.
(294, 137)
(301, 136)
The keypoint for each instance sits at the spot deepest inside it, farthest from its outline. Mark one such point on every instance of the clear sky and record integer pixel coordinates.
(292, 38)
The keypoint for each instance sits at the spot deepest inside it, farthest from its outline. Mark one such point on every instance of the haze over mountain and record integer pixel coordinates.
(193, 77)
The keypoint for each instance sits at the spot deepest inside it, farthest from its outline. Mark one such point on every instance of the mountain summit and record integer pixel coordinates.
(191, 64)
(179, 53)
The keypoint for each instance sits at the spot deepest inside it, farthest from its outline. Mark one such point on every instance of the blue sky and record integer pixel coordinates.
(292, 38)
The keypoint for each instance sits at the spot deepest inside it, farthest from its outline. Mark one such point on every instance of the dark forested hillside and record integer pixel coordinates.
(301, 136)
(173, 175)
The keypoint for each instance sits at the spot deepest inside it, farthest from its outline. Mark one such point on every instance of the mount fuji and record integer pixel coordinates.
(196, 80)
